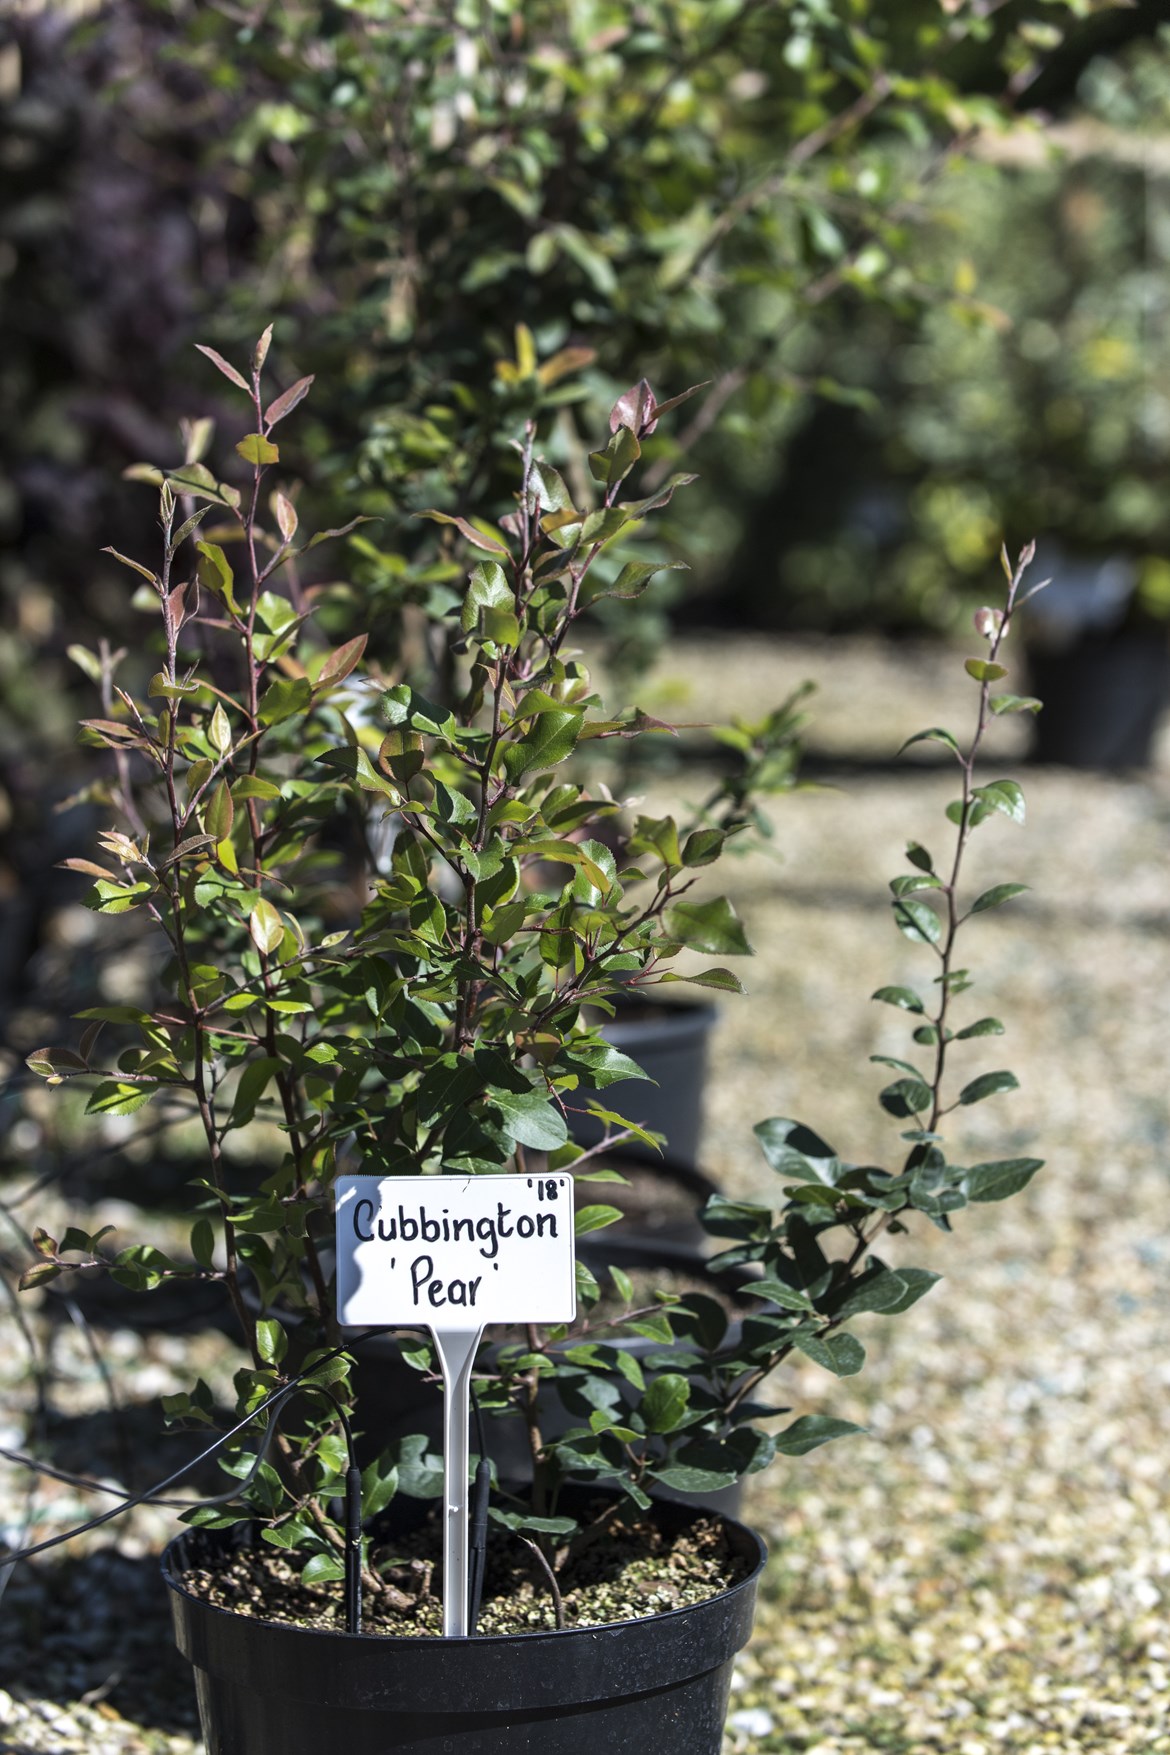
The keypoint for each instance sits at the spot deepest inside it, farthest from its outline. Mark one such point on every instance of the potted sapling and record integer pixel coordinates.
(384, 1085)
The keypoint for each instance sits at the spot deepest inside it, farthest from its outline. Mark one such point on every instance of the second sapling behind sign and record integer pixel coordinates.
(449, 1252)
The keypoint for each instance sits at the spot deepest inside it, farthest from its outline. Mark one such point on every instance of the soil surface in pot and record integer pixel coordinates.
(634, 1569)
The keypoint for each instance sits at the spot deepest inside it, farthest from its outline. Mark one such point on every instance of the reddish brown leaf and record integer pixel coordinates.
(229, 371)
(665, 407)
(89, 868)
(341, 661)
(285, 403)
(260, 353)
(286, 516)
(634, 409)
(469, 531)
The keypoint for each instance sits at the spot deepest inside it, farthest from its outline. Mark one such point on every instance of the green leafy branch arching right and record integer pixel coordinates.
(815, 1255)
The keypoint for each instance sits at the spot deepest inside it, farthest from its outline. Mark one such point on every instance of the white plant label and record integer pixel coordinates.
(448, 1252)
(451, 1254)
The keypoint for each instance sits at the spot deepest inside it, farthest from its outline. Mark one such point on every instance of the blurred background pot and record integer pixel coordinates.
(670, 1044)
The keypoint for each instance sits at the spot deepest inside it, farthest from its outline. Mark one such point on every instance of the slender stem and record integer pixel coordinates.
(550, 1579)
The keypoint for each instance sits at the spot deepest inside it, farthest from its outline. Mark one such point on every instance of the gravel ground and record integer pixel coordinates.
(988, 1570)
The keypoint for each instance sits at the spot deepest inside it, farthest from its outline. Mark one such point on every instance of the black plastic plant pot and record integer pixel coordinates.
(1103, 698)
(669, 1043)
(657, 1686)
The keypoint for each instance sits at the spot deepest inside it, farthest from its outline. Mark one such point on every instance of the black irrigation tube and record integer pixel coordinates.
(353, 1489)
(154, 1495)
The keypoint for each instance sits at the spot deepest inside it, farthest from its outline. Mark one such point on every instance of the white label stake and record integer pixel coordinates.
(450, 1254)
(456, 1349)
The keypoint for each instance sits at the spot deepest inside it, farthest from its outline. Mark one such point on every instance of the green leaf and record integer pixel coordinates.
(917, 855)
(665, 1402)
(1004, 796)
(531, 1119)
(630, 582)
(220, 734)
(115, 1098)
(721, 980)
(911, 883)
(998, 894)
(203, 1242)
(661, 497)
(258, 450)
(252, 1084)
(983, 670)
(538, 1526)
(842, 1354)
(266, 926)
(810, 1431)
(981, 1027)
(284, 698)
(713, 927)
(116, 1014)
(79, 653)
(215, 574)
(916, 1283)
(549, 488)
(275, 612)
(323, 1569)
(595, 1218)
(252, 786)
(917, 920)
(906, 1097)
(1015, 704)
(220, 813)
(161, 688)
(988, 1085)
(776, 1292)
(624, 1287)
(998, 1180)
(628, 1366)
(197, 479)
(879, 1290)
(794, 1150)
(936, 734)
(703, 846)
(487, 588)
(905, 997)
(271, 1340)
(683, 1477)
(552, 738)
(615, 462)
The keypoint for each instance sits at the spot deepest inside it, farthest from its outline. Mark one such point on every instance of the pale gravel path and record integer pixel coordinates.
(989, 1570)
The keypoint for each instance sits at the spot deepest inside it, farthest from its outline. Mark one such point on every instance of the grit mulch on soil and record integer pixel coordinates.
(989, 1569)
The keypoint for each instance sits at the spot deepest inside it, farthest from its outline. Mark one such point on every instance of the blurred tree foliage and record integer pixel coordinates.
(461, 215)
(688, 182)
(692, 184)
(1035, 401)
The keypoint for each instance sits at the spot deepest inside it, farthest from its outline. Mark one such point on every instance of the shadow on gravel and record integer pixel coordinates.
(97, 1631)
(129, 1444)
